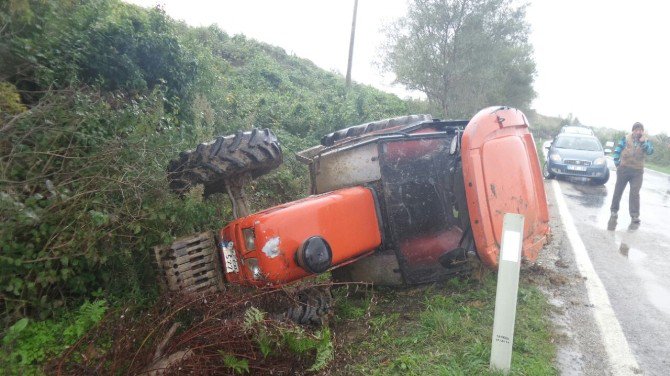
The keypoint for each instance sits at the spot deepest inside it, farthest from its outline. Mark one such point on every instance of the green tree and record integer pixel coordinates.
(463, 54)
(661, 156)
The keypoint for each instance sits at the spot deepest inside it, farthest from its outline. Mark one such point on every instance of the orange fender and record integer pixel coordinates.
(502, 174)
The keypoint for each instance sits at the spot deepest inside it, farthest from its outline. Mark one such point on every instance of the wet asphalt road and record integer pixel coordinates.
(634, 265)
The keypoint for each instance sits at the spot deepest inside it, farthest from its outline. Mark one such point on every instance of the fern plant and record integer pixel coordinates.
(27, 344)
(238, 365)
(271, 335)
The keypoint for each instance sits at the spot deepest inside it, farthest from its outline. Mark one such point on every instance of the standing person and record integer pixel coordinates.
(629, 156)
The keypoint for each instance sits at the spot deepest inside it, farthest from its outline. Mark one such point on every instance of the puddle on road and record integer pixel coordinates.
(585, 193)
(658, 295)
(623, 249)
(633, 254)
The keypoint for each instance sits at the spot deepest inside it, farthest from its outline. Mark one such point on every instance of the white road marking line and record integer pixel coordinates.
(620, 356)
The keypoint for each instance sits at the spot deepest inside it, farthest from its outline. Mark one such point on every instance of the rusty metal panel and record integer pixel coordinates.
(345, 168)
(379, 268)
(422, 217)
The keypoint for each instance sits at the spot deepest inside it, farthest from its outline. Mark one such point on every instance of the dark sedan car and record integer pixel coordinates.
(579, 155)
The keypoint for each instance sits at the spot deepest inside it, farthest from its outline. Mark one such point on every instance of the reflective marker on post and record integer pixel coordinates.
(506, 292)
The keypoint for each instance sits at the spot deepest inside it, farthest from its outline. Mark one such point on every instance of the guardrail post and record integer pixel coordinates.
(506, 293)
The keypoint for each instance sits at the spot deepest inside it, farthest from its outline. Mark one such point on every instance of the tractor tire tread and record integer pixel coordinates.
(392, 124)
(256, 152)
(313, 307)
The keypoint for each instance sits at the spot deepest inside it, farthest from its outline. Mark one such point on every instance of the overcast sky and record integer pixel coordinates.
(603, 61)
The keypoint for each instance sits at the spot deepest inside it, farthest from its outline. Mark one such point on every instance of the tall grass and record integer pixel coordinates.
(442, 330)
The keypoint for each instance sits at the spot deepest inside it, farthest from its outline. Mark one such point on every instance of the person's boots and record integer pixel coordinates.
(611, 224)
(634, 223)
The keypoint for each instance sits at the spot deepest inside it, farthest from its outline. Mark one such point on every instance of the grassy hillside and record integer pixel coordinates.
(96, 98)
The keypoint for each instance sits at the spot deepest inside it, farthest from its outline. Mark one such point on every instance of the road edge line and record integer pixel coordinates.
(620, 356)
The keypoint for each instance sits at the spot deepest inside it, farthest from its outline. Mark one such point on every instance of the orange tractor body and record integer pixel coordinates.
(263, 248)
(400, 201)
(502, 175)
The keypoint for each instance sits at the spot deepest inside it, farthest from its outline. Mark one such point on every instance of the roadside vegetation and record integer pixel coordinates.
(95, 98)
(441, 329)
(661, 168)
(464, 55)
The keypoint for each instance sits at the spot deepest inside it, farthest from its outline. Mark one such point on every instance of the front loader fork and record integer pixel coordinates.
(192, 263)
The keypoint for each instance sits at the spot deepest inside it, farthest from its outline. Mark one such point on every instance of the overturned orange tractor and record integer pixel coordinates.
(406, 200)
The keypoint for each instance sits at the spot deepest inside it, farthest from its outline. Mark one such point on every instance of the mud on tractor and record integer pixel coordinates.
(402, 201)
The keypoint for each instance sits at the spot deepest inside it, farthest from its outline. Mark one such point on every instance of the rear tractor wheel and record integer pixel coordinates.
(212, 164)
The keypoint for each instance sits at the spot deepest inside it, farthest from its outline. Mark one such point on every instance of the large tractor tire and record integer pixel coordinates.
(255, 152)
(392, 124)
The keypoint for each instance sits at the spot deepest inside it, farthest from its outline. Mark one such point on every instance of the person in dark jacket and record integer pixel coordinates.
(629, 156)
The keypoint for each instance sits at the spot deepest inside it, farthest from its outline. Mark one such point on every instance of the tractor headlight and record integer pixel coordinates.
(555, 157)
(249, 239)
(599, 161)
(254, 268)
(314, 255)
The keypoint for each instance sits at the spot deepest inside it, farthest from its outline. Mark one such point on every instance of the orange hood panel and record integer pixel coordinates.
(502, 175)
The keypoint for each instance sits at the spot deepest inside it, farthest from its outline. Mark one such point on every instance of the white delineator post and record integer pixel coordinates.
(506, 292)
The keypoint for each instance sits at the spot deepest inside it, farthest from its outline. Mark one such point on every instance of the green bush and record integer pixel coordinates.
(275, 337)
(84, 199)
(27, 344)
(113, 93)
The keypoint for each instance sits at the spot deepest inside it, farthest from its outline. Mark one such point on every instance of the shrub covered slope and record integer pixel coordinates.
(96, 97)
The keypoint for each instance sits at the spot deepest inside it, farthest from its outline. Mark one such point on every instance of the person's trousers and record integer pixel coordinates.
(626, 175)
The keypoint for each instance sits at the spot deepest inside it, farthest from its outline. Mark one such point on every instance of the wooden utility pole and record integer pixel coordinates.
(351, 44)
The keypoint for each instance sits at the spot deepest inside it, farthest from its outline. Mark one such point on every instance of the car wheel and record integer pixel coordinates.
(546, 173)
(603, 180)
